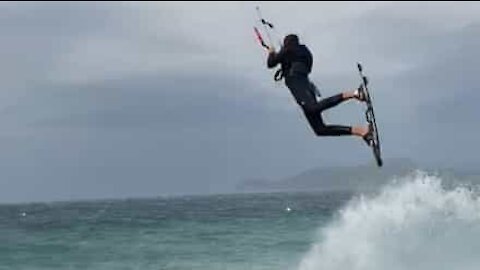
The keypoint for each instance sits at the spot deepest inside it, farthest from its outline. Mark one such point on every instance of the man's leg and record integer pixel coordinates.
(330, 102)
(316, 122)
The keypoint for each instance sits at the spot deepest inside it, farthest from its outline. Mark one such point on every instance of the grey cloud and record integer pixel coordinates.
(197, 100)
(36, 38)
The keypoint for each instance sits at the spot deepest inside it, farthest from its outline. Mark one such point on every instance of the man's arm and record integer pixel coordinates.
(274, 58)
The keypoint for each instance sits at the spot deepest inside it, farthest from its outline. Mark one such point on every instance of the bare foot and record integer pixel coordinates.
(360, 131)
(349, 94)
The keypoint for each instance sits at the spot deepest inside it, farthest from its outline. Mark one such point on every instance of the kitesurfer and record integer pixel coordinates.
(296, 63)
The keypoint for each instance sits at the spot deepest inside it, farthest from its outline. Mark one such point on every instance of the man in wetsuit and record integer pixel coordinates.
(296, 63)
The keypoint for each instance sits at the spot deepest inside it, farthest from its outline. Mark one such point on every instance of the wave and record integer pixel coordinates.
(414, 223)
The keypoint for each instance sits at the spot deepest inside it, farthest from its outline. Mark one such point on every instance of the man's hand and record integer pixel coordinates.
(271, 49)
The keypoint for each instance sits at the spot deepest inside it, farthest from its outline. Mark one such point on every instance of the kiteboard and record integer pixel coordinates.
(370, 117)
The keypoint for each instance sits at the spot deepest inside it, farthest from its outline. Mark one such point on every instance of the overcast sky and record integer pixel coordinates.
(102, 100)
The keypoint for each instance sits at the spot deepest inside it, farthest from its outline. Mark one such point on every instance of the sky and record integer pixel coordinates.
(134, 99)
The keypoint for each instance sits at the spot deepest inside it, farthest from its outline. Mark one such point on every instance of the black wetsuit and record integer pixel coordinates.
(296, 63)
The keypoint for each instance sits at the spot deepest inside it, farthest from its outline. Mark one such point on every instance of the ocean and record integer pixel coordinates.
(413, 223)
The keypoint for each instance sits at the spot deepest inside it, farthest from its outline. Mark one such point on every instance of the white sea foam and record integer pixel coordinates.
(414, 224)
